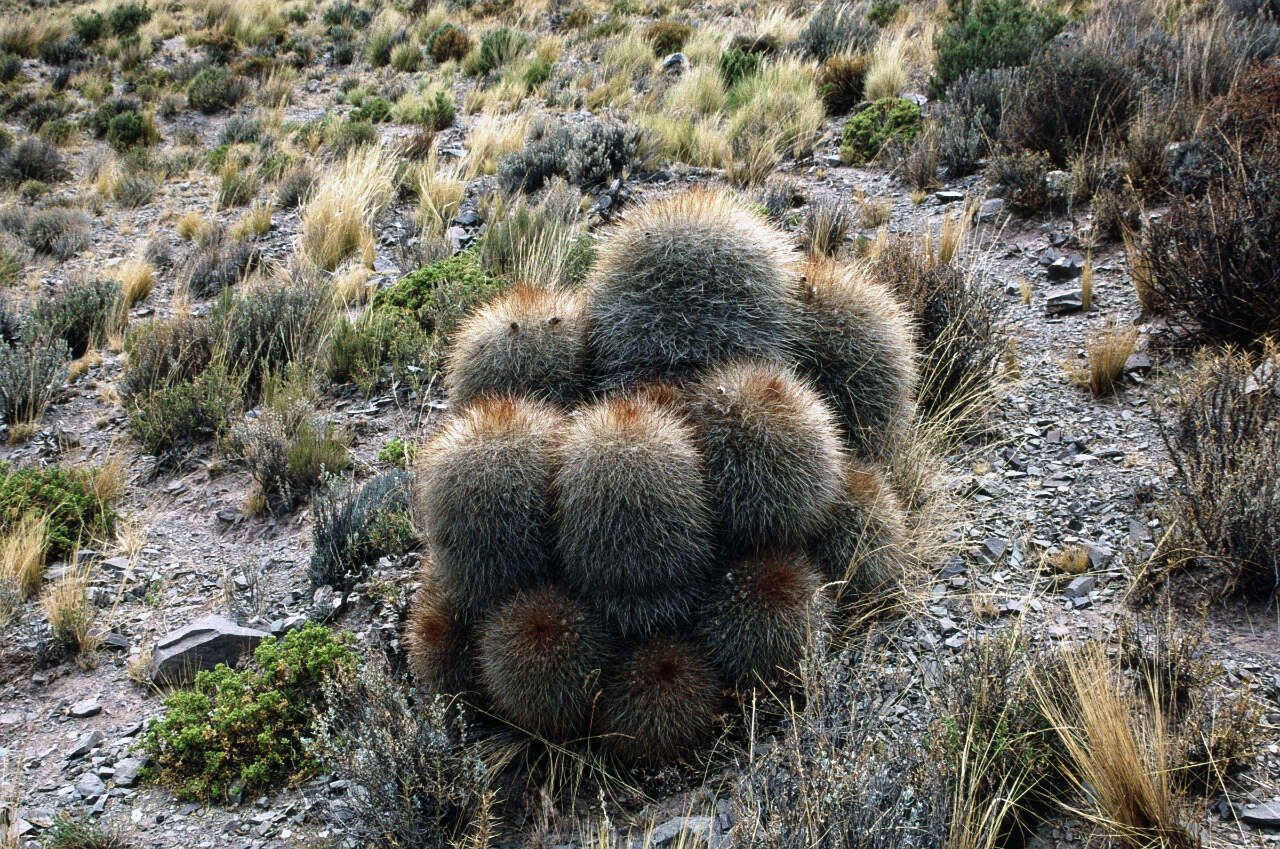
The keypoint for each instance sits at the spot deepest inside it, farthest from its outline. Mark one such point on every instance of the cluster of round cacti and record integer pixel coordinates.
(652, 490)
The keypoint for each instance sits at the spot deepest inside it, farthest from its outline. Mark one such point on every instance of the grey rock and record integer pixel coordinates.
(1066, 267)
(991, 209)
(1264, 816)
(1061, 300)
(1080, 587)
(90, 786)
(324, 604)
(86, 708)
(1266, 374)
(1099, 556)
(458, 238)
(127, 770)
(203, 644)
(992, 550)
(955, 642)
(918, 99)
(676, 63)
(468, 219)
(683, 831)
(85, 745)
(1138, 362)
(949, 196)
(287, 624)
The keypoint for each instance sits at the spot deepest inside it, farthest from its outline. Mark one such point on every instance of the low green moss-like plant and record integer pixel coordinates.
(242, 731)
(65, 496)
(868, 131)
(441, 293)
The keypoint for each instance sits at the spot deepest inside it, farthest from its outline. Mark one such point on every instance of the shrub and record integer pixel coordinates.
(587, 154)
(210, 91)
(61, 233)
(31, 372)
(32, 159)
(957, 319)
(174, 415)
(448, 43)
(882, 12)
(416, 777)
(135, 190)
(89, 27)
(991, 34)
(237, 732)
(67, 833)
(440, 294)
(840, 82)
(434, 110)
(406, 57)
(1213, 262)
(80, 315)
(374, 110)
(289, 451)
(353, 527)
(737, 65)
(1065, 98)
(970, 120)
(383, 347)
(667, 37)
(835, 28)
(74, 514)
(294, 187)
(62, 51)
(125, 18)
(497, 49)
(1021, 178)
(237, 188)
(826, 225)
(865, 134)
(99, 122)
(269, 327)
(382, 40)
(213, 266)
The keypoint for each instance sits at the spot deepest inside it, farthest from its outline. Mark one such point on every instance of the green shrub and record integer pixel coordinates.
(736, 65)
(243, 731)
(80, 315)
(406, 57)
(176, 415)
(381, 348)
(126, 18)
(89, 28)
(434, 111)
(882, 12)
(440, 294)
(354, 527)
(667, 37)
(267, 328)
(497, 49)
(82, 834)
(126, 130)
(397, 452)
(65, 496)
(868, 131)
(289, 449)
(991, 34)
(57, 232)
(374, 110)
(30, 374)
(58, 131)
(209, 91)
(448, 42)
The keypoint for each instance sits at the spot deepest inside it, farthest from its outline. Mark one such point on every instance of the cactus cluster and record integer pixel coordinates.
(652, 490)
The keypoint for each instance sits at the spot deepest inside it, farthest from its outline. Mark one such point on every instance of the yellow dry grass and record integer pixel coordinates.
(339, 215)
(22, 553)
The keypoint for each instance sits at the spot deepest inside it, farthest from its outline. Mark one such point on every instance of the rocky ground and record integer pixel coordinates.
(1063, 469)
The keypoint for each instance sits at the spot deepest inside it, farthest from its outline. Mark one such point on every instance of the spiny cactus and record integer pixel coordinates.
(437, 638)
(772, 452)
(631, 509)
(660, 701)
(759, 621)
(480, 497)
(540, 656)
(684, 282)
(855, 343)
(863, 543)
(530, 341)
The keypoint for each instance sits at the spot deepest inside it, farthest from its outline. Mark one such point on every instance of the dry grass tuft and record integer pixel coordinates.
(1108, 349)
(22, 555)
(70, 612)
(338, 219)
(1117, 754)
(440, 191)
(136, 276)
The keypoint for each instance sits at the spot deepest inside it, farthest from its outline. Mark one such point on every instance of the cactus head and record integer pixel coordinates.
(529, 341)
(863, 544)
(541, 654)
(772, 451)
(761, 616)
(660, 700)
(686, 281)
(437, 638)
(631, 508)
(480, 498)
(855, 344)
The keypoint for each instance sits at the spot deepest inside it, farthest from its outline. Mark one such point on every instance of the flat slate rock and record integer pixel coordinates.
(203, 644)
